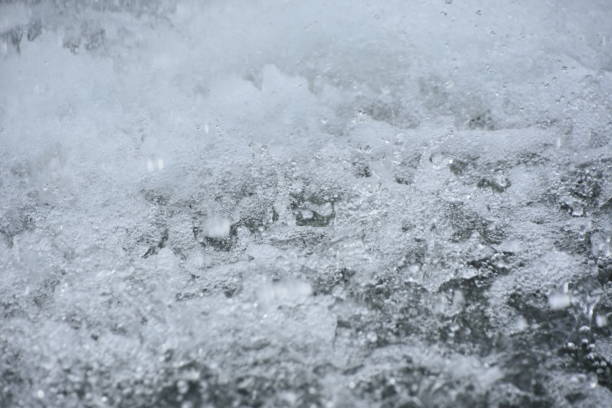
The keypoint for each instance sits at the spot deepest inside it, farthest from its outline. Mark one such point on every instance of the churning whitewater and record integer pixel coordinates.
(306, 204)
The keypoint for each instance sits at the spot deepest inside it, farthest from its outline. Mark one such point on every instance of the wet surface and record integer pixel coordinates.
(270, 204)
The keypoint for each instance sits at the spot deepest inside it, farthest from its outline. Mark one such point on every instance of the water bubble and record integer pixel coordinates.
(439, 160)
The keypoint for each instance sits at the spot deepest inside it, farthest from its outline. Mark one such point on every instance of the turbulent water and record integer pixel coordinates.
(306, 203)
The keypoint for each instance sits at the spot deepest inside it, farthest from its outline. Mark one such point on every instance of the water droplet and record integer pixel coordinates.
(182, 386)
(559, 301)
(217, 227)
(601, 320)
